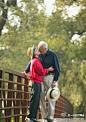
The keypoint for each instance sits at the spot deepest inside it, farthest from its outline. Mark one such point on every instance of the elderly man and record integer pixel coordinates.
(48, 58)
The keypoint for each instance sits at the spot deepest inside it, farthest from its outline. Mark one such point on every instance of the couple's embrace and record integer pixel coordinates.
(43, 72)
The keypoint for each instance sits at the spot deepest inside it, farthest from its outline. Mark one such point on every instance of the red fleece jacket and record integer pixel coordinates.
(36, 70)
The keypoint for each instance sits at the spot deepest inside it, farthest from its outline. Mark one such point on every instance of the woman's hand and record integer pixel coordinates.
(24, 73)
(51, 69)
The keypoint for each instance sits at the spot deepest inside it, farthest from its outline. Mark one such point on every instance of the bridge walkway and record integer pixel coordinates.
(67, 120)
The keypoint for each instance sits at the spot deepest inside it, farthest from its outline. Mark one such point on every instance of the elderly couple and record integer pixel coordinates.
(44, 72)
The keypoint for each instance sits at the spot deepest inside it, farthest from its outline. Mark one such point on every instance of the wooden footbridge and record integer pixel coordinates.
(15, 95)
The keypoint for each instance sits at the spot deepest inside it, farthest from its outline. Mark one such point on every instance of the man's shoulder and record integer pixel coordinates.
(52, 52)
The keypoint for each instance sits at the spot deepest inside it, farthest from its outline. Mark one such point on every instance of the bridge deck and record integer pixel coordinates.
(68, 120)
(71, 120)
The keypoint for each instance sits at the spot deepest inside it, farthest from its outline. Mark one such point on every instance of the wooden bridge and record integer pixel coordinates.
(15, 95)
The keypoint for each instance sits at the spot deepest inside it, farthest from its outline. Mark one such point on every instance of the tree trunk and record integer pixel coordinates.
(3, 19)
(5, 12)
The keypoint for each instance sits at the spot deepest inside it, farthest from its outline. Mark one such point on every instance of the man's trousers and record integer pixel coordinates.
(46, 84)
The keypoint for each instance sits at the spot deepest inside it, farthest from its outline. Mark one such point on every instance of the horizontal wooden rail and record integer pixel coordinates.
(15, 96)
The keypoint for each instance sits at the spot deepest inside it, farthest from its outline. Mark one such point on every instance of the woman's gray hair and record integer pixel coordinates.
(43, 43)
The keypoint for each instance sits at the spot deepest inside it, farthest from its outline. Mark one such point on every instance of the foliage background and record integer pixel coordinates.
(26, 25)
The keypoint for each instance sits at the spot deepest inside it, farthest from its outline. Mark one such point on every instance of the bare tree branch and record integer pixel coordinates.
(3, 38)
(79, 33)
(7, 51)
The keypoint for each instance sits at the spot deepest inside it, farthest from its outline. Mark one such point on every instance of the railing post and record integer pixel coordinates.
(1, 96)
(26, 96)
(9, 95)
(18, 95)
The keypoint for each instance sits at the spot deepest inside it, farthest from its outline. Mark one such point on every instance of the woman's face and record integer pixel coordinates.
(37, 53)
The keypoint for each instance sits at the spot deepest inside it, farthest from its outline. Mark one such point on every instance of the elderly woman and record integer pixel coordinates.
(36, 71)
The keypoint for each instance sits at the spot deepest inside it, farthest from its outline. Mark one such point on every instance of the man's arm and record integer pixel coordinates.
(57, 71)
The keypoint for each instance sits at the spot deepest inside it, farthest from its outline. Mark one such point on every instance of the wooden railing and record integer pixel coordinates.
(15, 96)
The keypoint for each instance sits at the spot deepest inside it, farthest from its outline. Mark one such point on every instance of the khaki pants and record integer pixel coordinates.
(46, 84)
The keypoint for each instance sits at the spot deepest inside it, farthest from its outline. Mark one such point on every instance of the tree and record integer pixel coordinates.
(29, 28)
(33, 25)
(4, 11)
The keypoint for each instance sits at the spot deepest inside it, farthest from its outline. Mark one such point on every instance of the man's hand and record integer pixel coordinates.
(54, 84)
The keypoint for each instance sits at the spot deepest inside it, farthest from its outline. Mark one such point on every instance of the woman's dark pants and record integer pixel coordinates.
(34, 102)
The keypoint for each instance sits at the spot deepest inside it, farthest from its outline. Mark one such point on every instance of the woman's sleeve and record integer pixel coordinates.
(28, 68)
(39, 69)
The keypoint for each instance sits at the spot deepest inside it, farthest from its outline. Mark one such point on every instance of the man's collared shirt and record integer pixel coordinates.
(51, 59)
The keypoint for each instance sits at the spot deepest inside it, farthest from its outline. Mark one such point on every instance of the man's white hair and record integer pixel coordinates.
(43, 43)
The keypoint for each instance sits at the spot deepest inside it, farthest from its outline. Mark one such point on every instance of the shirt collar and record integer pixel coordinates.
(47, 52)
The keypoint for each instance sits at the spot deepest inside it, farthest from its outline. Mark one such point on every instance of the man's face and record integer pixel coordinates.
(42, 50)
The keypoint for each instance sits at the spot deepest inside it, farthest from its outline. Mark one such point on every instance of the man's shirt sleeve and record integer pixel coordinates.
(57, 68)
